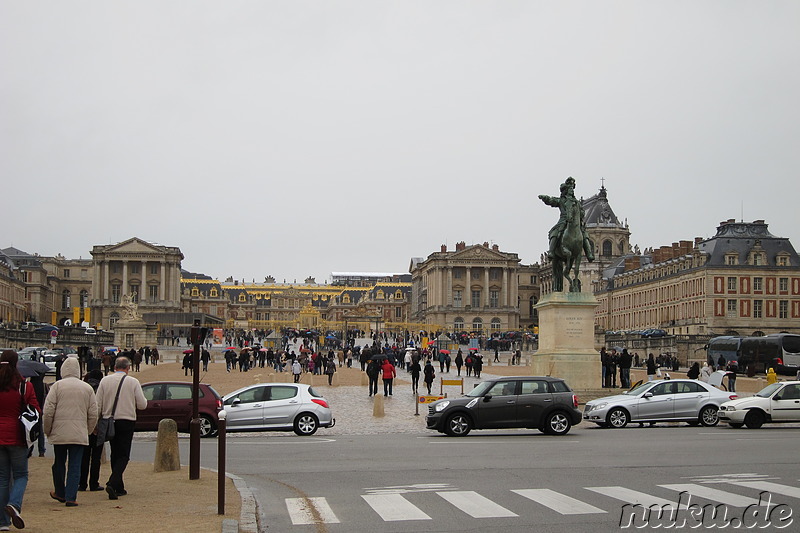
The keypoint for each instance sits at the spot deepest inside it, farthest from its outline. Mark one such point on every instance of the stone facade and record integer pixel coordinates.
(473, 288)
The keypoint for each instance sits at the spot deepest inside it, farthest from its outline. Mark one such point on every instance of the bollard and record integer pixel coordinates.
(377, 406)
(364, 378)
(222, 425)
(168, 455)
(311, 379)
(271, 378)
(335, 381)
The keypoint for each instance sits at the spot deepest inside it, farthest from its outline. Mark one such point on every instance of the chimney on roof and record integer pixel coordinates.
(461, 246)
(485, 244)
(758, 222)
(496, 248)
(444, 248)
(698, 240)
(633, 262)
(731, 221)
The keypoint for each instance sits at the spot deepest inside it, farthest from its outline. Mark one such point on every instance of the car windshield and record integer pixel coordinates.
(640, 389)
(768, 390)
(480, 389)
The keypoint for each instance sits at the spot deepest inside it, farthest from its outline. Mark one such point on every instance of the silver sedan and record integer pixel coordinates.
(277, 407)
(669, 400)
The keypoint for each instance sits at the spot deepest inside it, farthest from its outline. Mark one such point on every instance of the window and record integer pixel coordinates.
(84, 298)
(477, 324)
(457, 273)
(346, 299)
(66, 272)
(179, 392)
(607, 251)
(113, 319)
(134, 268)
(398, 295)
(476, 298)
(494, 297)
(494, 273)
(783, 284)
(783, 309)
(116, 290)
(242, 297)
(757, 308)
(84, 273)
(495, 325)
(732, 307)
(134, 293)
(783, 261)
(65, 299)
(281, 392)
(116, 267)
(732, 284)
(213, 293)
(153, 296)
(503, 388)
(195, 292)
(380, 295)
(534, 387)
(758, 284)
(398, 312)
(758, 259)
(457, 298)
(153, 268)
(458, 324)
(731, 259)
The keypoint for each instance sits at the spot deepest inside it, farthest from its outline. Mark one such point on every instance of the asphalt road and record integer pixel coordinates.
(511, 480)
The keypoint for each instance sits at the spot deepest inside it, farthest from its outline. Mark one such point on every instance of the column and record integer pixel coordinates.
(468, 287)
(449, 285)
(106, 282)
(504, 290)
(163, 285)
(125, 277)
(486, 286)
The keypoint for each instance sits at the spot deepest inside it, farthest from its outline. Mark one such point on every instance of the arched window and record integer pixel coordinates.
(622, 248)
(242, 297)
(477, 324)
(380, 295)
(213, 292)
(134, 293)
(495, 324)
(758, 333)
(84, 298)
(398, 295)
(113, 319)
(458, 324)
(65, 299)
(195, 292)
(345, 298)
(607, 248)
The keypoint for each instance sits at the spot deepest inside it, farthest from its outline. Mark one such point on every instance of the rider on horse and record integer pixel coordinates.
(568, 206)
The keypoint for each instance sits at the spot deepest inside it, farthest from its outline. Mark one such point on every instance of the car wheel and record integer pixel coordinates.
(557, 424)
(754, 419)
(458, 425)
(735, 425)
(207, 426)
(709, 416)
(618, 418)
(306, 424)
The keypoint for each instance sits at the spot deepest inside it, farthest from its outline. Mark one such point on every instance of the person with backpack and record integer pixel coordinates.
(468, 362)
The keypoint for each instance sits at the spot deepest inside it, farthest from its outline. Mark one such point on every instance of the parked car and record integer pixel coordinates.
(667, 400)
(90, 331)
(45, 328)
(50, 358)
(277, 407)
(543, 403)
(654, 332)
(778, 402)
(31, 352)
(173, 399)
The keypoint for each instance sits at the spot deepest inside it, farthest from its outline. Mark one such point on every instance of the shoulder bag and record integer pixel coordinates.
(105, 426)
(30, 419)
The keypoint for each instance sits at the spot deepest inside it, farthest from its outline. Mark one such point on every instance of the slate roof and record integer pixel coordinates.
(599, 212)
(742, 237)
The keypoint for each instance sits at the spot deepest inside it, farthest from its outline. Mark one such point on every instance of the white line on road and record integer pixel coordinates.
(776, 488)
(631, 496)
(394, 507)
(710, 493)
(476, 505)
(558, 502)
(301, 514)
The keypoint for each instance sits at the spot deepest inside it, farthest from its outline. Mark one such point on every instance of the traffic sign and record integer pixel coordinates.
(54, 333)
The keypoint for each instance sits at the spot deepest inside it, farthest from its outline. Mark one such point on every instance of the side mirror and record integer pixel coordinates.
(777, 397)
(487, 397)
(647, 395)
(236, 401)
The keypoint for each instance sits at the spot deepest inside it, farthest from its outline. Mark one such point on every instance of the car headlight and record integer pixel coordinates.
(599, 406)
(441, 406)
(729, 408)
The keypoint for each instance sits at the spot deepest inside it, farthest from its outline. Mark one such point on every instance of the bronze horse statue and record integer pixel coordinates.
(568, 239)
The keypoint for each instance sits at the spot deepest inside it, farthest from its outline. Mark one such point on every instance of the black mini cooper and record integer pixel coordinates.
(544, 403)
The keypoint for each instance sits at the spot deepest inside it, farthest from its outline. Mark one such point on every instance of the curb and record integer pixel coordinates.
(248, 522)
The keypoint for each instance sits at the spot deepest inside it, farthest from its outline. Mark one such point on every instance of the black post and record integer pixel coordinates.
(194, 425)
(221, 463)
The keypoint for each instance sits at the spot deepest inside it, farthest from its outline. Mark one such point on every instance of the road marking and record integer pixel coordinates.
(631, 496)
(558, 502)
(776, 488)
(710, 493)
(301, 514)
(475, 505)
(394, 507)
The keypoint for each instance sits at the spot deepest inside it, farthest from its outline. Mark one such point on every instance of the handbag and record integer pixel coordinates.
(30, 420)
(105, 426)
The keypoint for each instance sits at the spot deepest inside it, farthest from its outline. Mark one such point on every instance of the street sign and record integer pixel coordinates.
(430, 399)
(54, 333)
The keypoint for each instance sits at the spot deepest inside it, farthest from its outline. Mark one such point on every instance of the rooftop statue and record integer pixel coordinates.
(568, 238)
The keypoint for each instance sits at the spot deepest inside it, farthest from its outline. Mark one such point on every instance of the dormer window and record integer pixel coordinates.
(242, 298)
(213, 293)
(731, 259)
(195, 292)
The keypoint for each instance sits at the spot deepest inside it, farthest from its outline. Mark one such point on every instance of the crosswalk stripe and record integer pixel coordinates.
(558, 502)
(475, 505)
(710, 493)
(301, 514)
(631, 496)
(394, 507)
(776, 488)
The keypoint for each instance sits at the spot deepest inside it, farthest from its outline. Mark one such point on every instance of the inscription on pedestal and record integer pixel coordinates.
(574, 327)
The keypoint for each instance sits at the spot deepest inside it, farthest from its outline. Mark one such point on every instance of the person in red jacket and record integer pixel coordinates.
(13, 449)
(388, 375)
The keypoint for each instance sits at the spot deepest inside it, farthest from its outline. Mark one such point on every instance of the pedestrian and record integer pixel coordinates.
(14, 392)
(705, 372)
(90, 461)
(415, 371)
(330, 368)
(130, 399)
(496, 353)
(373, 371)
(651, 367)
(731, 371)
(468, 362)
(459, 361)
(389, 373)
(70, 412)
(430, 374)
(625, 361)
(447, 361)
(106, 362)
(440, 357)
(694, 371)
(187, 363)
(296, 369)
(477, 365)
(137, 355)
(205, 357)
(154, 356)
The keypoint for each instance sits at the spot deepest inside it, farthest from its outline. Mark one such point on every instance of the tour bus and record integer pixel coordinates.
(780, 351)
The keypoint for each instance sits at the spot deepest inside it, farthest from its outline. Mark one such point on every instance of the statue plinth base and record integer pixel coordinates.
(566, 340)
(134, 333)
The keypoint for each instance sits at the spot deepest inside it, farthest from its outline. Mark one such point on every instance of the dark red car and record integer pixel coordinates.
(173, 399)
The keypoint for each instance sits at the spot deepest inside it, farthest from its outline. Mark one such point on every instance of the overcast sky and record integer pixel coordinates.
(298, 138)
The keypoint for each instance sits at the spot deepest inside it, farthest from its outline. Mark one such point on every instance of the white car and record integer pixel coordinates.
(668, 400)
(778, 402)
(50, 358)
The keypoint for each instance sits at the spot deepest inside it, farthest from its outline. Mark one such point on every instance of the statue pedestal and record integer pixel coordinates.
(566, 340)
(134, 333)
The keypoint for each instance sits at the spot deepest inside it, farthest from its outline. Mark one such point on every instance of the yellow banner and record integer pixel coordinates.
(452, 382)
(430, 399)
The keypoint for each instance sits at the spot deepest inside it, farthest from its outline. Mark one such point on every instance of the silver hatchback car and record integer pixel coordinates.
(668, 400)
(277, 407)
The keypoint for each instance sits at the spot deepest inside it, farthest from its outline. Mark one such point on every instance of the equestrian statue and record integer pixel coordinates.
(568, 238)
